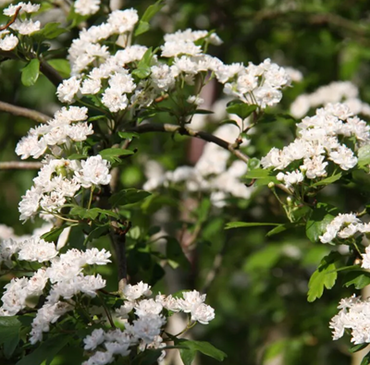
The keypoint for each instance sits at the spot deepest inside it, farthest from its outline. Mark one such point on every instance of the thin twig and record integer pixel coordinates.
(170, 128)
(17, 165)
(51, 73)
(24, 112)
(11, 21)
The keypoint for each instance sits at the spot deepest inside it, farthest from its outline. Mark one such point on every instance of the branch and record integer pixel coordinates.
(118, 238)
(16, 165)
(170, 128)
(51, 73)
(24, 112)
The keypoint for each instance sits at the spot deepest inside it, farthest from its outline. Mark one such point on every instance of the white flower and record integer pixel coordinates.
(162, 76)
(93, 256)
(147, 306)
(99, 358)
(354, 315)
(68, 89)
(36, 249)
(94, 340)
(133, 292)
(29, 204)
(87, 7)
(114, 100)
(336, 224)
(26, 27)
(95, 171)
(191, 300)
(9, 42)
(203, 313)
(123, 21)
(25, 8)
(91, 86)
(366, 258)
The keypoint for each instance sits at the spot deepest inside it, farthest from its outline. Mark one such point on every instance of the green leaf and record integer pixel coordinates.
(358, 278)
(319, 219)
(260, 173)
(280, 228)
(232, 225)
(175, 254)
(46, 351)
(128, 196)
(324, 277)
(241, 109)
(187, 356)
(142, 28)
(10, 329)
(328, 180)
(355, 348)
(31, 72)
(113, 154)
(143, 25)
(143, 69)
(202, 346)
(363, 156)
(366, 359)
(53, 235)
(49, 31)
(62, 66)
(128, 135)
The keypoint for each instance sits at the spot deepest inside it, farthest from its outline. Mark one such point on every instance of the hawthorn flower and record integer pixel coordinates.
(67, 90)
(133, 292)
(94, 171)
(87, 7)
(25, 8)
(8, 42)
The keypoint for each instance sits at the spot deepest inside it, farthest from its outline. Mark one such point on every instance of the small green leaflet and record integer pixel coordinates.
(232, 225)
(188, 354)
(358, 278)
(128, 196)
(113, 154)
(324, 277)
(328, 180)
(241, 109)
(10, 329)
(62, 66)
(363, 156)
(143, 25)
(31, 72)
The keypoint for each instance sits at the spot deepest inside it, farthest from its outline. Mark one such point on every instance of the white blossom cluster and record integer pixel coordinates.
(344, 226)
(259, 85)
(63, 272)
(145, 330)
(22, 25)
(354, 315)
(58, 181)
(67, 126)
(337, 91)
(212, 172)
(112, 77)
(319, 143)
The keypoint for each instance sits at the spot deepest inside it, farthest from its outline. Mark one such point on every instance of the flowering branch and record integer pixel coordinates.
(170, 128)
(17, 165)
(24, 112)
